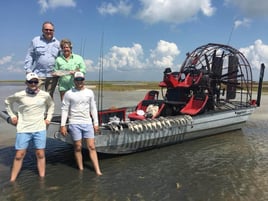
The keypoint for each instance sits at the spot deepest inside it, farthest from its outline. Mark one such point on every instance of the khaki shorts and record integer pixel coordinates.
(48, 84)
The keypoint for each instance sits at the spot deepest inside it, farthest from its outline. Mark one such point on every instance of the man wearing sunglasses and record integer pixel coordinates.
(32, 116)
(79, 105)
(41, 56)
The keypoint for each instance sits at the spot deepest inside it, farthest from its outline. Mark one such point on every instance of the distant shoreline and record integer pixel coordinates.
(124, 85)
(107, 85)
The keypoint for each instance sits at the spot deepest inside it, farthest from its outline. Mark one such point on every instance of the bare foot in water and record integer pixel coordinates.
(98, 173)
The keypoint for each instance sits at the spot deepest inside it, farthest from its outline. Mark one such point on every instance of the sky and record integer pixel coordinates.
(134, 40)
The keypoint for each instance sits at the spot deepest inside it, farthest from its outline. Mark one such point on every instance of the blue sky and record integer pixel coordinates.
(136, 39)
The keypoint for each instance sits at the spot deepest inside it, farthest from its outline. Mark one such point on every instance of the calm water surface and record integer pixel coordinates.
(231, 166)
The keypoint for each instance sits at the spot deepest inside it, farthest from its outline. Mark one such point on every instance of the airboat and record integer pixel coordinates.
(210, 94)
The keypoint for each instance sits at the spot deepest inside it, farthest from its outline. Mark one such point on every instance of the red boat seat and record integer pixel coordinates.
(142, 112)
(190, 79)
(173, 80)
(194, 105)
(170, 80)
(150, 95)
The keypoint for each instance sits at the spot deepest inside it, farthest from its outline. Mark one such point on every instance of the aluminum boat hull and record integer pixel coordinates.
(126, 140)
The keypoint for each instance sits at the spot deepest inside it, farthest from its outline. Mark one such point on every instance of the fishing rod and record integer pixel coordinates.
(100, 82)
(82, 47)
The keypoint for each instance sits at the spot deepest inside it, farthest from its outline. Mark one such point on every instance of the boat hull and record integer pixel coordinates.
(140, 136)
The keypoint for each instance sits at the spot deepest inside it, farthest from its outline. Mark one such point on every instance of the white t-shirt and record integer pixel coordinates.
(79, 106)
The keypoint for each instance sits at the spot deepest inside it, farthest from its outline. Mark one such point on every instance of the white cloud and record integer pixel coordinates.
(153, 11)
(89, 64)
(8, 65)
(122, 7)
(47, 4)
(251, 8)
(124, 58)
(245, 22)
(164, 54)
(132, 58)
(14, 69)
(256, 54)
(173, 11)
(120, 59)
(5, 60)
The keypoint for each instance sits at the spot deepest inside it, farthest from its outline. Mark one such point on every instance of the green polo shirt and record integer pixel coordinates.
(75, 63)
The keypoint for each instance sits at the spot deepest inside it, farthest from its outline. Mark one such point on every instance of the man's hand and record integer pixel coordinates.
(96, 129)
(47, 122)
(14, 120)
(63, 130)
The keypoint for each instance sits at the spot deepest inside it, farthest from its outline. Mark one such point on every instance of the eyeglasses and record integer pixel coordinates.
(79, 79)
(32, 82)
(49, 30)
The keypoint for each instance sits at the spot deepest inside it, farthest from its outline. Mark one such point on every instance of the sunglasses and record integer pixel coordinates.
(49, 30)
(32, 82)
(79, 79)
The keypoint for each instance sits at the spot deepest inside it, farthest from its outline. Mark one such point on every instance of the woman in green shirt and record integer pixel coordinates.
(70, 63)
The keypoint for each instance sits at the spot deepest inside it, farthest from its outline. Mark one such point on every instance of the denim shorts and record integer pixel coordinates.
(79, 131)
(38, 138)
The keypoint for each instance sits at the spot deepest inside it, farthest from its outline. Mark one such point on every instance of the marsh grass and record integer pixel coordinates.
(129, 86)
(134, 85)
(124, 85)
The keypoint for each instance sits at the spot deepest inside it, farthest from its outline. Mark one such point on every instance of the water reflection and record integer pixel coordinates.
(231, 166)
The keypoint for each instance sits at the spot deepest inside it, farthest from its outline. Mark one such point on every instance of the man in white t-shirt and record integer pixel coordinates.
(79, 105)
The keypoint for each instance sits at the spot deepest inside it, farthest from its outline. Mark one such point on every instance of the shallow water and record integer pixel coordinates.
(231, 166)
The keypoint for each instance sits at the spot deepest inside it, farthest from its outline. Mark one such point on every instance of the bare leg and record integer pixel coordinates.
(41, 162)
(78, 154)
(93, 155)
(17, 164)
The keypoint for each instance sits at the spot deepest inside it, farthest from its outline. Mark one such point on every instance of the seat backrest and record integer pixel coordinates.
(151, 95)
(151, 108)
(172, 79)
